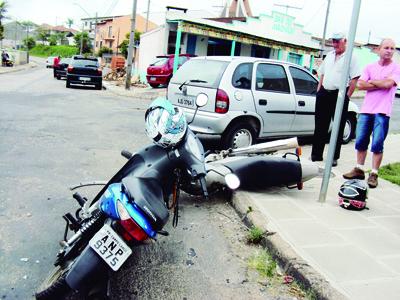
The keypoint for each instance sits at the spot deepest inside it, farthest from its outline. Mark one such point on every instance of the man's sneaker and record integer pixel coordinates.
(372, 180)
(356, 173)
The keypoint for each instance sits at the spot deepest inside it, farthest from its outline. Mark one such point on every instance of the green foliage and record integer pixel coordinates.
(42, 34)
(255, 235)
(29, 43)
(103, 50)
(62, 50)
(61, 37)
(390, 172)
(263, 264)
(70, 22)
(3, 11)
(86, 47)
(125, 43)
(53, 40)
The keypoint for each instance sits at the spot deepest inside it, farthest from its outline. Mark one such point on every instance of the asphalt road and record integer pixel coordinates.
(53, 138)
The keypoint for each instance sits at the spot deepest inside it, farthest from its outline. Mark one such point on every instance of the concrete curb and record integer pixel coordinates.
(18, 68)
(142, 93)
(281, 251)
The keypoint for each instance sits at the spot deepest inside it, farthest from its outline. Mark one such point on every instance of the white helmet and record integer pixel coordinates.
(165, 124)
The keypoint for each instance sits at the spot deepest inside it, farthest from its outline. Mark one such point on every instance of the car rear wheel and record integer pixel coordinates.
(58, 77)
(349, 131)
(98, 86)
(67, 85)
(153, 85)
(239, 135)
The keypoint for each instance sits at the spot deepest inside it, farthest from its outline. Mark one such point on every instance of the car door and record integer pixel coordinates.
(273, 100)
(305, 89)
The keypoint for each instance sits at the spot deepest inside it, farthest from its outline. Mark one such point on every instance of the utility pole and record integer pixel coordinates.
(95, 30)
(324, 34)
(131, 48)
(147, 15)
(80, 52)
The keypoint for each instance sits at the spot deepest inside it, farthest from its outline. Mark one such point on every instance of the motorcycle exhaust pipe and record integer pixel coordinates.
(266, 147)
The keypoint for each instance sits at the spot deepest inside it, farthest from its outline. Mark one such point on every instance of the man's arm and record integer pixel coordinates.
(365, 85)
(321, 79)
(352, 86)
(386, 83)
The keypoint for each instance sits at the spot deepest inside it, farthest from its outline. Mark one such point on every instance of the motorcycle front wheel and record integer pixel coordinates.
(54, 286)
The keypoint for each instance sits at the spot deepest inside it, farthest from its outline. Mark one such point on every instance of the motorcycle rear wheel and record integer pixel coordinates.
(54, 286)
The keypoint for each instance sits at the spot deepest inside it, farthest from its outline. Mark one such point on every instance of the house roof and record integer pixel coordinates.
(58, 28)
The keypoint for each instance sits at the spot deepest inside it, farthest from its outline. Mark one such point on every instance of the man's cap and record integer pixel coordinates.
(338, 36)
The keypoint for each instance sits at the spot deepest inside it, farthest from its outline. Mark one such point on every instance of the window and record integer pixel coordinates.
(304, 83)
(241, 78)
(182, 60)
(272, 78)
(201, 69)
(109, 31)
(294, 58)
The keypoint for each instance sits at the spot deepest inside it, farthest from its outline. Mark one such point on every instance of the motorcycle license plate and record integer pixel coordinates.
(111, 248)
(84, 78)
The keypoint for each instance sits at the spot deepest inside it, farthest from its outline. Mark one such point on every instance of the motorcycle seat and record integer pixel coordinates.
(148, 195)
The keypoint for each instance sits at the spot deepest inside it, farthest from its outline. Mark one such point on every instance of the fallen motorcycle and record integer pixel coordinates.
(135, 204)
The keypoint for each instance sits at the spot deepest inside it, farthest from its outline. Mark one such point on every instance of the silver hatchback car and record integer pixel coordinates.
(249, 98)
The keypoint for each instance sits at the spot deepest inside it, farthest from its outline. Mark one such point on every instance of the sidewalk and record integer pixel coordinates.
(17, 68)
(357, 253)
(148, 93)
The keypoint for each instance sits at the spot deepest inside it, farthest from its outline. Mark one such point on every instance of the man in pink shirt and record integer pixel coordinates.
(380, 80)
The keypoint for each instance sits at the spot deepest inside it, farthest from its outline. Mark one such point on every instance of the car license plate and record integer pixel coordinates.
(84, 78)
(152, 79)
(111, 248)
(187, 101)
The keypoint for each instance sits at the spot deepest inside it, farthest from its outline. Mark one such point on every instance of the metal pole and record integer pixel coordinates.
(324, 33)
(147, 15)
(130, 47)
(80, 52)
(340, 100)
(233, 48)
(94, 41)
(177, 47)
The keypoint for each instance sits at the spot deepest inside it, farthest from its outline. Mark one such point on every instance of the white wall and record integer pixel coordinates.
(201, 45)
(151, 45)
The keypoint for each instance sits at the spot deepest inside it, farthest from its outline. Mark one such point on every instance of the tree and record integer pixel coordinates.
(3, 11)
(125, 43)
(70, 22)
(53, 40)
(29, 43)
(61, 37)
(85, 41)
(103, 50)
(42, 34)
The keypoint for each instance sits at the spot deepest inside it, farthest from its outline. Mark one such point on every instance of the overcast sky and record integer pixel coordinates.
(377, 17)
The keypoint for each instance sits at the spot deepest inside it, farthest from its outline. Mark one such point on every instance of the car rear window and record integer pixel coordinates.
(85, 63)
(160, 61)
(64, 61)
(201, 69)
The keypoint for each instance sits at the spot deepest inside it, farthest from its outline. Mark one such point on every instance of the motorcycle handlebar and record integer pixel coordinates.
(126, 154)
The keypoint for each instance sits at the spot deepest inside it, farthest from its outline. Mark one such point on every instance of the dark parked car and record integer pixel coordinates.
(61, 69)
(84, 71)
(160, 71)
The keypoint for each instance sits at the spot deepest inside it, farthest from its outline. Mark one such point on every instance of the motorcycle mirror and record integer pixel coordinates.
(232, 181)
(201, 99)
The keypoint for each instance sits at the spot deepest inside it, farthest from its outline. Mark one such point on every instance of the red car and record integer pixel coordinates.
(160, 72)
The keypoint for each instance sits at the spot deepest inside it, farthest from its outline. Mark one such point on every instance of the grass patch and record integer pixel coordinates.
(255, 235)
(390, 172)
(46, 51)
(263, 263)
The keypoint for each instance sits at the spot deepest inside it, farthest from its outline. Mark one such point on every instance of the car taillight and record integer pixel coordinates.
(99, 71)
(131, 229)
(221, 102)
(70, 68)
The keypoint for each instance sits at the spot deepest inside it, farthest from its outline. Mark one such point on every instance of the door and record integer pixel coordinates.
(273, 100)
(305, 86)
